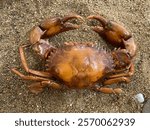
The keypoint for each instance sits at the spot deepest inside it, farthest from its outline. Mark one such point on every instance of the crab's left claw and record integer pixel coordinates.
(111, 31)
(57, 25)
(52, 26)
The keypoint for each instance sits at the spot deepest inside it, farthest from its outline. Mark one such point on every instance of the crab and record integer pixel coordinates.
(80, 64)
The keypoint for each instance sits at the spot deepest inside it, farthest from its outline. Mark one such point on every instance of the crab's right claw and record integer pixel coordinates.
(111, 31)
(53, 26)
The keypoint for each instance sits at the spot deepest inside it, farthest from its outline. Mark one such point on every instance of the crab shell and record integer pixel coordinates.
(79, 66)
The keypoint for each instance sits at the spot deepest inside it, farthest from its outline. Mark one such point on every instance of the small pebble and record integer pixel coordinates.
(139, 97)
(146, 108)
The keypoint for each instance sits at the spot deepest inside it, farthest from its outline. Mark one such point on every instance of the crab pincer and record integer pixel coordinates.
(53, 26)
(113, 32)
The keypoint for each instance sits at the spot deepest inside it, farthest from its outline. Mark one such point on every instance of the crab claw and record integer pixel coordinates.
(111, 31)
(54, 26)
(51, 27)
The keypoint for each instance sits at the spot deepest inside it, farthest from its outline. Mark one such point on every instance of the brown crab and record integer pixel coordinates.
(80, 65)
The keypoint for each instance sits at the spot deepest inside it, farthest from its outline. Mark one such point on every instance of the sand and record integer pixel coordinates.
(17, 17)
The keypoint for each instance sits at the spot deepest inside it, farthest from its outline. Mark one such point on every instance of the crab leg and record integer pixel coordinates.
(25, 65)
(26, 77)
(39, 86)
(107, 90)
(116, 80)
(128, 74)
